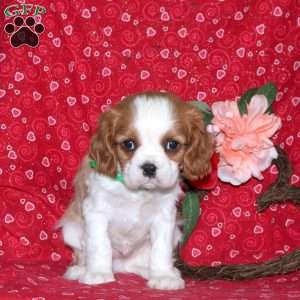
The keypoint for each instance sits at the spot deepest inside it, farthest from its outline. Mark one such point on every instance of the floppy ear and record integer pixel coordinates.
(102, 145)
(196, 160)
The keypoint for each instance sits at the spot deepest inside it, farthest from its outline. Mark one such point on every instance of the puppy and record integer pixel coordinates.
(123, 215)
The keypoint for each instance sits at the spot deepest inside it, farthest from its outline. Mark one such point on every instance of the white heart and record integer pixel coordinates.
(237, 212)
(68, 30)
(220, 33)
(238, 16)
(36, 59)
(63, 184)
(182, 32)
(43, 235)
(51, 121)
(258, 229)
(150, 32)
(65, 145)
(200, 18)
(29, 206)
(294, 179)
(289, 140)
(2, 93)
(16, 112)
(55, 256)
(260, 29)
(181, 73)
(86, 13)
(126, 17)
(126, 52)
(201, 96)
(31, 136)
(53, 85)
(196, 252)
(87, 51)
(71, 100)
(277, 11)
(289, 222)
(258, 188)
(164, 53)
(215, 231)
(165, 16)
(296, 65)
(56, 42)
(107, 30)
(51, 198)
(221, 74)
(29, 174)
(46, 162)
(8, 219)
(106, 72)
(240, 52)
(85, 99)
(233, 253)
(36, 96)
(260, 71)
(145, 74)
(19, 76)
(2, 57)
(279, 48)
(203, 53)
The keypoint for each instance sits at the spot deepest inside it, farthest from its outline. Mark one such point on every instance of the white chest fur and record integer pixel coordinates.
(129, 213)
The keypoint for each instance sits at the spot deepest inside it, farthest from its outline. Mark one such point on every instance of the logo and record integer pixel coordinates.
(26, 27)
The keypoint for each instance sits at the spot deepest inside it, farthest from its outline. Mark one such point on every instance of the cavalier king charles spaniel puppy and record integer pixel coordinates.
(123, 215)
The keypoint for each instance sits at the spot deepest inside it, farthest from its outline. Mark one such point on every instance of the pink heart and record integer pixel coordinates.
(237, 212)
(258, 229)
(37, 96)
(145, 74)
(294, 179)
(31, 136)
(107, 30)
(29, 206)
(51, 121)
(164, 53)
(238, 16)
(51, 198)
(240, 52)
(36, 59)
(150, 32)
(46, 162)
(296, 65)
(68, 30)
(2, 93)
(200, 17)
(53, 85)
(63, 184)
(215, 231)
(19, 76)
(8, 219)
(85, 99)
(165, 16)
(182, 32)
(2, 57)
(234, 253)
(181, 73)
(201, 96)
(87, 51)
(56, 42)
(106, 72)
(16, 112)
(260, 71)
(279, 48)
(65, 145)
(125, 17)
(86, 14)
(29, 174)
(258, 188)
(43, 235)
(277, 11)
(71, 100)
(289, 222)
(221, 74)
(220, 33)
(202, 53)
(126, 52)
(55, 256)
(274, 170)
(196, 252)
(260, 29)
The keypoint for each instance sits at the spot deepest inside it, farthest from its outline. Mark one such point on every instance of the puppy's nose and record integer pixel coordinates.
(149, 170)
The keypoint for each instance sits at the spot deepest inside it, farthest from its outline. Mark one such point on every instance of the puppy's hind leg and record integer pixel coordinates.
(72, 235)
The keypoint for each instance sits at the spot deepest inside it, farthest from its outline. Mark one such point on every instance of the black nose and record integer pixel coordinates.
(149, 170)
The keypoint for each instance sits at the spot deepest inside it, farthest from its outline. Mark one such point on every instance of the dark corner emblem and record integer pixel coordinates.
(25, 27)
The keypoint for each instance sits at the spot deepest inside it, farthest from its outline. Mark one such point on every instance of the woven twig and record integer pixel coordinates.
(280, 191)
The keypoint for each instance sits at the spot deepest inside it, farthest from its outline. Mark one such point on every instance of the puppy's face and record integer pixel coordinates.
(151, 138)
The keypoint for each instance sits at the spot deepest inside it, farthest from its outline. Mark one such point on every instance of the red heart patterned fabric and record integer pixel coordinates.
(89, 55)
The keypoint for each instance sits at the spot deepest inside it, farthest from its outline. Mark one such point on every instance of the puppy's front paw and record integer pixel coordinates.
(96, 277)
(74, 272)
(166, 282)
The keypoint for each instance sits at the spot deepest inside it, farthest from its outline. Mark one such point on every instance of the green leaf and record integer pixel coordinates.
(191, 212)
(269, 90)
(205, 109)
(245, 99)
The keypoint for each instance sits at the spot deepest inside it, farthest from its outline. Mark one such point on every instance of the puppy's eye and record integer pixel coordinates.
(171, 145)
(129, 145)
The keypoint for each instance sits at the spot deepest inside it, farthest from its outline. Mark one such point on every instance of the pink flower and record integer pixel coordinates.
(243, 142)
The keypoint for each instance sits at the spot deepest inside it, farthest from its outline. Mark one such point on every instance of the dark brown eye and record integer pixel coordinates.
(171, 145)
(129, 145)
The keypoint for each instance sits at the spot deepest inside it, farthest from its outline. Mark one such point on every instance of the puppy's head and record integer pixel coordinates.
(152, 138)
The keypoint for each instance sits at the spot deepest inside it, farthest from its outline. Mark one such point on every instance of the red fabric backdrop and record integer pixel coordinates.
(90, 55)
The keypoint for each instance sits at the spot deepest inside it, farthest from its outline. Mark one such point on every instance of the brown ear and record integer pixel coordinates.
(102, 145)
(196, 160)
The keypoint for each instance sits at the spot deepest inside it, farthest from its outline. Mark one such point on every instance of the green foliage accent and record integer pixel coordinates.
(205, 109)
(191, 212)
(93, 164)
(269, 90)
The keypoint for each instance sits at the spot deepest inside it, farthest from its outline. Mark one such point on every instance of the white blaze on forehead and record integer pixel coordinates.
(153, 116)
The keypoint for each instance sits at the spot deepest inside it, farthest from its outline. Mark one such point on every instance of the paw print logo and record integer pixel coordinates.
(24, 33)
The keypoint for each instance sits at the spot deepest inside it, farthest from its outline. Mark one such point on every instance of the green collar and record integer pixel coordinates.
(119, 177)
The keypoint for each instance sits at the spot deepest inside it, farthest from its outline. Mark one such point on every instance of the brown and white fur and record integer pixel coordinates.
(131, 226)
